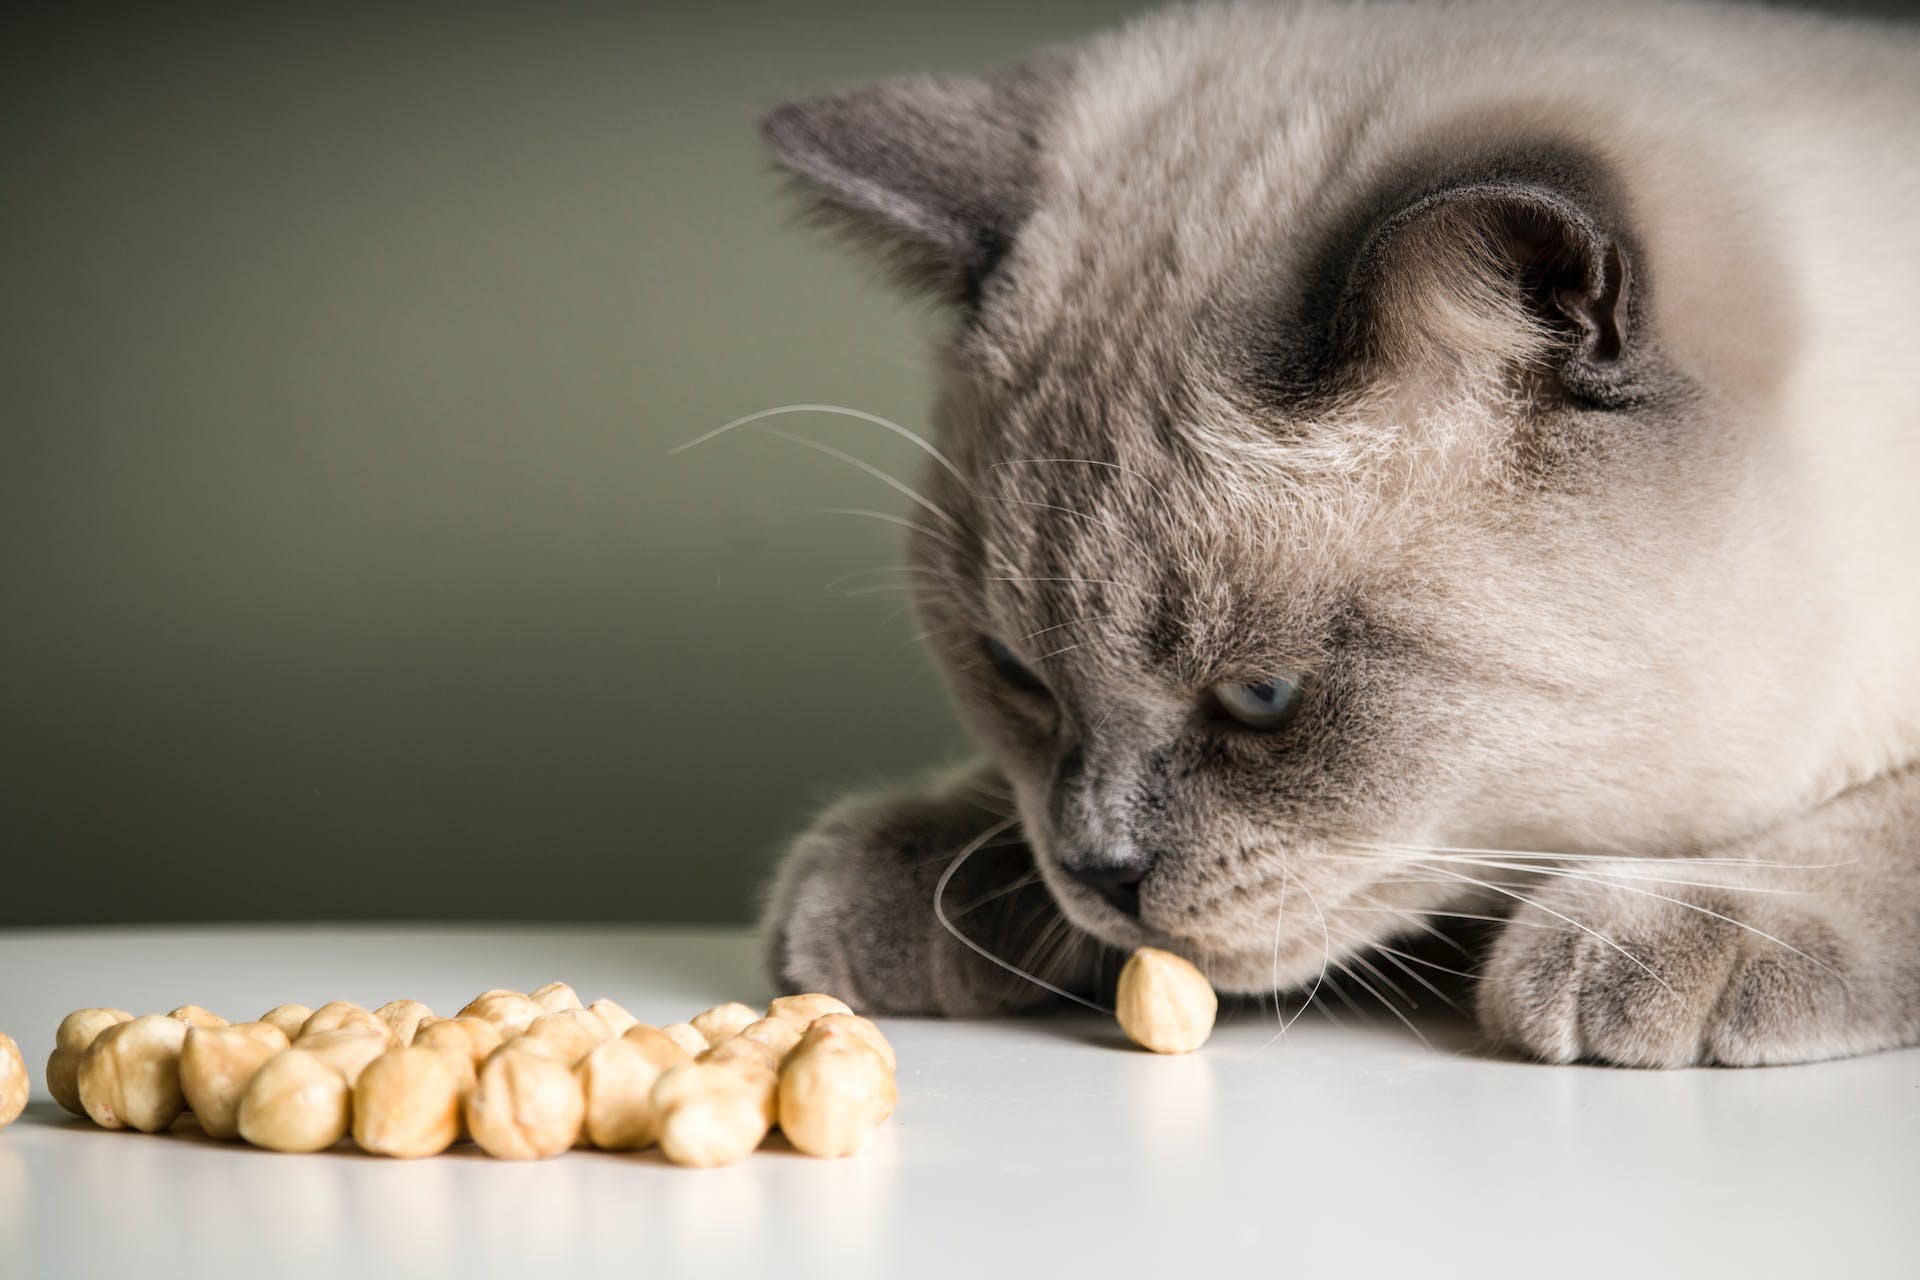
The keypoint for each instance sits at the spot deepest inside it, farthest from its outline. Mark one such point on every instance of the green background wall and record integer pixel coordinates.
(343, 569)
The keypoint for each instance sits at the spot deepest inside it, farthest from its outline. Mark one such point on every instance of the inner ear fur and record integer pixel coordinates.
(1506, 273)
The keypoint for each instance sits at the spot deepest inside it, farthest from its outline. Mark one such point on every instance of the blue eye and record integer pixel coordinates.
(1011, 669)
(1259, 704)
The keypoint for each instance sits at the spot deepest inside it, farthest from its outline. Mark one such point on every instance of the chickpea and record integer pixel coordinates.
(861, 1027)
(683, 1034)
(471, 1038)
(616, 1081)
(714, 1112)
(554, 997)
(772, 1032)
(347, 1050)
(194, 1016)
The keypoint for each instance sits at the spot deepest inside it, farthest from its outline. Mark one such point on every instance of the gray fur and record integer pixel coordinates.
(1513, 372)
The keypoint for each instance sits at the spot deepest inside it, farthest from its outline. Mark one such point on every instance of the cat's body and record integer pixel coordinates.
(1523, 394)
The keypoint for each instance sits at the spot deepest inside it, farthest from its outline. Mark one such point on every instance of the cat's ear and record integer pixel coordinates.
(1524, 273)
(933, 171)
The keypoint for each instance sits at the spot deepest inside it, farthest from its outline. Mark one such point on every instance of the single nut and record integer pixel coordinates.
(402, 1018)
(259, 1032)
(683, 1034)
(834, 1092)
(801, 1010)
(508, 1011)
(658, 1043)
(574, 1032)
(616, 1018)
(407, 1103)
(296, 1102)
(289, 1018)
(13, 1081)
(347, 1050)
(473, 1037)
(723, 1022)
(616, 1082)
(129, 1077)
(741, 1047)
(772, 1032)
(340, 1015)
(1164, 1003)
(554, 997)
(76, 1032)
(828, 1023)
(715, 1112)
(525, 1105)
(216, 1066)
(194, 1016)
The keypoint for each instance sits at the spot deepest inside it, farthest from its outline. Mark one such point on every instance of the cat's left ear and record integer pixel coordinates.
(1527, 272)
(933, 171)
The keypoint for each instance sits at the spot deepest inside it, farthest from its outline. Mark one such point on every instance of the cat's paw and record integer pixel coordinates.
(1649, 974)
(852, 911)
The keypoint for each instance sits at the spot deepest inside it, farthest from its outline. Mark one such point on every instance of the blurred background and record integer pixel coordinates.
(344, 571)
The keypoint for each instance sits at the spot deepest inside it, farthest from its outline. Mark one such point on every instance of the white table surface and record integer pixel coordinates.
(1022, 1147)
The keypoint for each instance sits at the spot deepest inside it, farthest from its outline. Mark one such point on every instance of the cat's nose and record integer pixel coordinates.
(1118, 883)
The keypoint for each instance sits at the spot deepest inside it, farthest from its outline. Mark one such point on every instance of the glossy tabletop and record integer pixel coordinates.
(1035, 1146)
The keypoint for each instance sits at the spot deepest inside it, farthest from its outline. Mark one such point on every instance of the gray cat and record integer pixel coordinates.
(1400, 463)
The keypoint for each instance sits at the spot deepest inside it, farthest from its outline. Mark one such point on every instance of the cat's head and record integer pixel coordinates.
(1303, 496)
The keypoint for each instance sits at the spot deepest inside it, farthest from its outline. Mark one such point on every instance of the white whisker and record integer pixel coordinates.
(916, 438)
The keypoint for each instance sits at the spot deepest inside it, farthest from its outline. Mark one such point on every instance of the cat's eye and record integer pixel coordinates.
(1259, 704)
(1011, 669)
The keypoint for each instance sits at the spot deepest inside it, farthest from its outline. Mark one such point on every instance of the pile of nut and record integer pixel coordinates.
(525, 1076)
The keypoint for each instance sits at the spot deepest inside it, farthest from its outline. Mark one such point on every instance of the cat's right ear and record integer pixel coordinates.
(933, 171)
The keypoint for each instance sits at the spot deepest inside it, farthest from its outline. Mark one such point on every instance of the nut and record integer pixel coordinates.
(683, 1034)
(834, 1092)
(741, 1047)
(616, 1018)
(474, 1038)
(194, 1016)
(407, 1103)
(723, 1022)
(509, 1011)
(402, 1018)
(554, 997)
(216, 1065)
(1164, 1003)
(129, 1076)
(13, 1081)
(259, 1032)
(658, 1043)
(714, 1112)
(76, 1032)
(296, 1102)
(340, 1015)
(525, 1105)
(772, 1032)
(616, 1081)
(801, 1010)
(289, 1018)
(347, 1050)
(575, 1032)
(859, 1026)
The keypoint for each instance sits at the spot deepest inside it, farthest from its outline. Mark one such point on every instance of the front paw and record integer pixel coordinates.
(852, 910)
(1638, 971)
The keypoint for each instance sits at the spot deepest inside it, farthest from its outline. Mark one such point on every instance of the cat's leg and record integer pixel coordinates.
(1806, 946)
(851, 912)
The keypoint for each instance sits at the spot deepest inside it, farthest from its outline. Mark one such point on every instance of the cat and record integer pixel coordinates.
(1400, 463)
